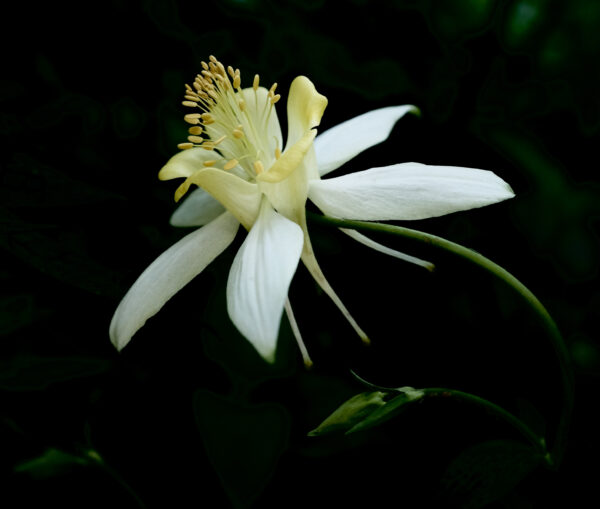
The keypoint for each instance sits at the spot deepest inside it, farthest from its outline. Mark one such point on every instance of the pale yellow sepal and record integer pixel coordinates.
(240, 197)
(305, 108)
(186, 162)
(284, 166)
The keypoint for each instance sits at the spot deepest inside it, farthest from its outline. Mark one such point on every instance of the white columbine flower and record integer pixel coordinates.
(235, 157)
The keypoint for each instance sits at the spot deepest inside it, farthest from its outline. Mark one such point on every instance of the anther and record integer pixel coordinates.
(192, 118)
(195, 130)
(216, 142)
(230, 164)
(196, 139)
(258, 167)
(272, 89)
(213, 59)
(242, 104)
(209, 163)
(206, 118)
(237, 80)
(192, 97)
(185, 146)
(204, 65)
(237, 133)
(275, 98)
(231, 71)
(207, 145)
(277, 153)
(256, 82)
(190, 104)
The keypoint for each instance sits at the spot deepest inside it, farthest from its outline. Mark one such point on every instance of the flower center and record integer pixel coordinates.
(240, 125)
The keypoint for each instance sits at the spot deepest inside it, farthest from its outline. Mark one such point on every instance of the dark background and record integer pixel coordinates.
(188, 415)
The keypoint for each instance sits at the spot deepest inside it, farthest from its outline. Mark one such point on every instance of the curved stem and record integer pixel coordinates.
(544, 317)
(538, 443)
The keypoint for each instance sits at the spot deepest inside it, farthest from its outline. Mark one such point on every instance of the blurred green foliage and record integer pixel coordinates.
(90, 111)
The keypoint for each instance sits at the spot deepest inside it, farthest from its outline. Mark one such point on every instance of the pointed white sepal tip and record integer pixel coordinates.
(168, 274)
(408, 191)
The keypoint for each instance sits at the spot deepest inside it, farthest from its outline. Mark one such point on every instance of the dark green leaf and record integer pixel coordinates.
(488, 471)
(243, 442)
(16, 311)
(51, 462)
(389, 410)
(350, 413)
(35, 373)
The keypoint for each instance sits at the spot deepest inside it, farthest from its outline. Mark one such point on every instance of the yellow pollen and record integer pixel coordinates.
(256, 82)
(213, 59)
(242, 104)
(237, 80)
(238, 133)
(275, 98)
(273, 87)
(192, 96)
(190, 104)
(192, 118)
(231, 71)
(204, 66)
(195, 130)
(184, 146)
(258, 167)
(195, 139)
(277, 153)
(209, 163)
(207, 145)
(230, 164)
(207, 118)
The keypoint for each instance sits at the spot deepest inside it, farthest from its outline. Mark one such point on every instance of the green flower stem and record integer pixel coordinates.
(538, 442)
(544, 317)
(93, 455)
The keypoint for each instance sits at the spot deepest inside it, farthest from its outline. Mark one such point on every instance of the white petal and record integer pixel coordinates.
(407, 191)
(305, 108)
(238, 196)
(359, 237)
(341, 143)
(263, 115)
(260, 277)
(198, 209)
(168, 274)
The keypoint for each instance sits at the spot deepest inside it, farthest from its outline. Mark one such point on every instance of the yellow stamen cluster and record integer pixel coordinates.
(217, 99)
